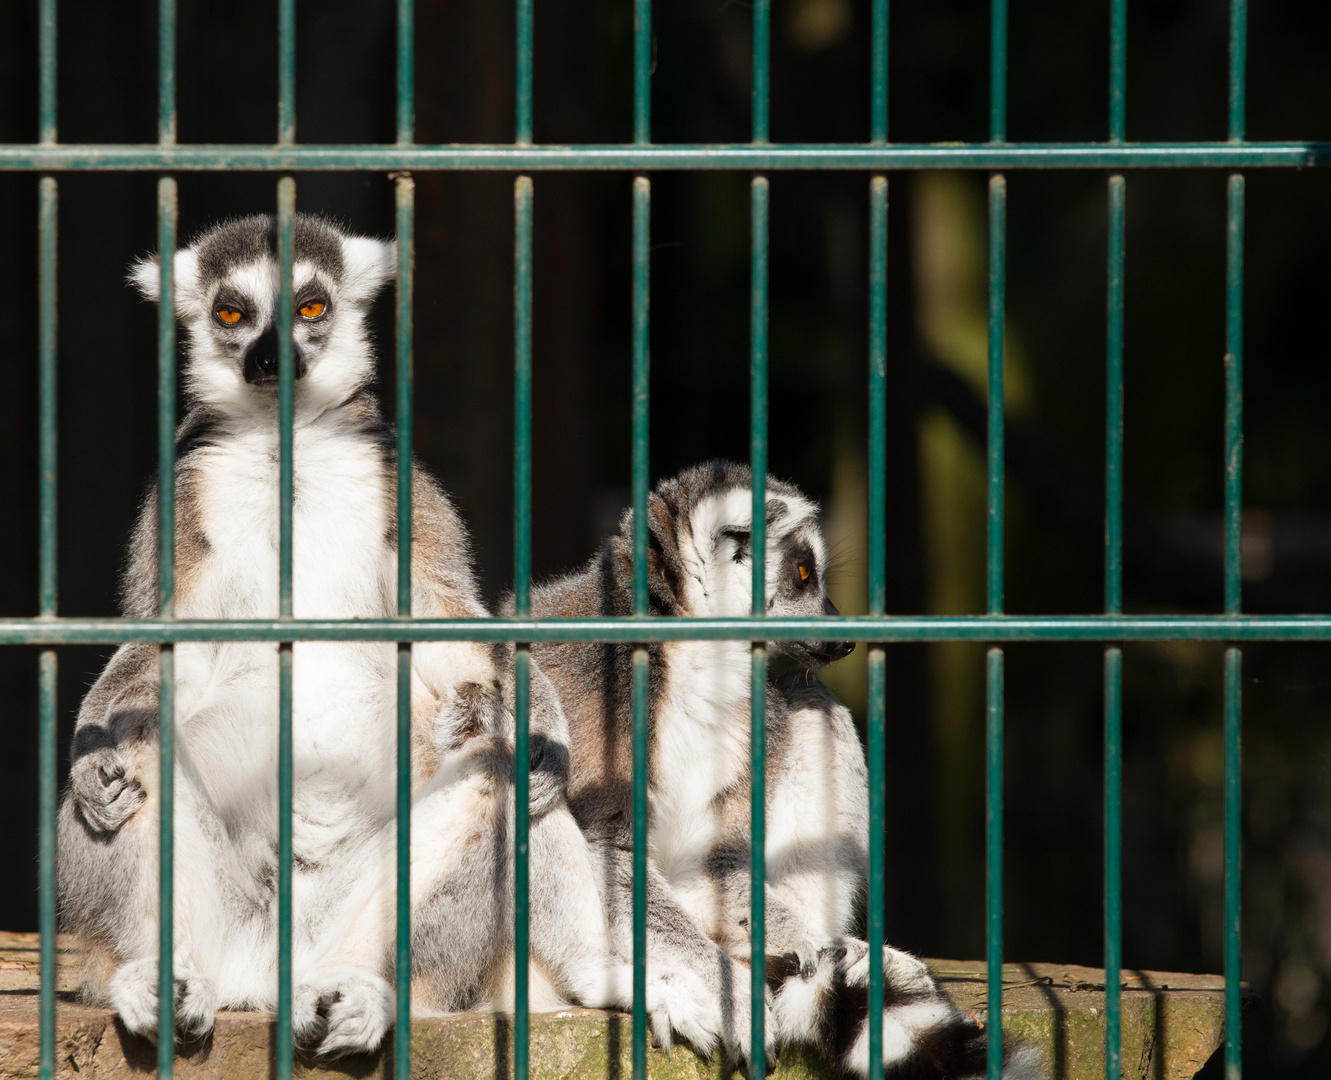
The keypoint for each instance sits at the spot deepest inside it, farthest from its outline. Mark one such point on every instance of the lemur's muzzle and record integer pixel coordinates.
(827, 651)
(261, 358)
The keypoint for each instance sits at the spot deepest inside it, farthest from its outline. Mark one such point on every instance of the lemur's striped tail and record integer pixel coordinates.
(825, 1002)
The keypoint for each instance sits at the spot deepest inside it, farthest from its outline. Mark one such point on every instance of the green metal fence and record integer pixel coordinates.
(877, 157)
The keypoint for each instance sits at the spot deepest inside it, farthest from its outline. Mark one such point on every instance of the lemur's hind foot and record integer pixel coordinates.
(924, 1036)
(341, 1011)
(681, 1007)
(678, 1004)
(133, 994)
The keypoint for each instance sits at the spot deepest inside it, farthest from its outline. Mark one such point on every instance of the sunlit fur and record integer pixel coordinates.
(344, 539)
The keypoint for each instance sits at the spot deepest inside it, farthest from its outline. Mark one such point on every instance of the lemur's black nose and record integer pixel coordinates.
(833, 650)
(261, 358)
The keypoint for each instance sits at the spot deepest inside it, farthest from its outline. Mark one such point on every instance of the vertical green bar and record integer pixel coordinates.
(1233, 655)
(46, 73)
(525, 37)
(522, 209)
(1113, 668)
(998, 71)
(166, 75)
(46, 703)
(997, 258)
(521, 947)
(641, 668)
(1113, 657)
(762, 83)
(758, 729)
(286, 215)
(994, 856)
(166, 566)
(759, 215)
(47, 194)
(286, 72)
(994, 679)
(1233, 862)
(877, 591)
(46, 524)
(642, 72)
(759, 200)
(1114, 400)
(522, 212)
(166, 537)
(642, 208)
(286, 218)
(1113, 858)
(878, 77)
(994, 683)
(1238, 55)
(406, 219)
(877, 688)
(1234, 398)
(406, 72)
(405, 189)
(1238, 65)
(1118, 70)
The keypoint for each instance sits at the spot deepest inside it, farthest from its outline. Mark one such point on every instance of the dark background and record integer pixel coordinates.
(935, 527)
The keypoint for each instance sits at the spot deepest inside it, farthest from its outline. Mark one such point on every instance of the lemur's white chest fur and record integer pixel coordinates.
(702, 732)
(702, 749)
(342, 692)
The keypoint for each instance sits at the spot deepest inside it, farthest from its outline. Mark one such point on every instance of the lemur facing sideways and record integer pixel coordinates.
(699, 781)
(343, 711)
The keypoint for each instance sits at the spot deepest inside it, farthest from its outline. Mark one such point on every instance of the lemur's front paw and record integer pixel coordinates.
(134, 996)
(341, 1011)
(104, 792)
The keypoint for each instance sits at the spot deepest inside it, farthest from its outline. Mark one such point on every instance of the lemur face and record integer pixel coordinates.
(718, 555)
(227, 285)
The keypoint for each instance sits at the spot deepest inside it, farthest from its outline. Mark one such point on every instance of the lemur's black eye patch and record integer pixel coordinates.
(801, 564)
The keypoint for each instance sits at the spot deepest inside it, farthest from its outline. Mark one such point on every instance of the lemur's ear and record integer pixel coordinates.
(665, 569)
(146, 276)
(368, 265)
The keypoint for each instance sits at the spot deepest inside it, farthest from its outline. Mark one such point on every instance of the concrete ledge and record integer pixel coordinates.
(1172, 1025)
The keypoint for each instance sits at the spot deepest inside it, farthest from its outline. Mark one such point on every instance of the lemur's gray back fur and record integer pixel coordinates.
(817, 803)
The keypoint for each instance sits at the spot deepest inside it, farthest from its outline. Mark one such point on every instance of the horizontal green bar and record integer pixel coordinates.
(629, 629)
(386, 158)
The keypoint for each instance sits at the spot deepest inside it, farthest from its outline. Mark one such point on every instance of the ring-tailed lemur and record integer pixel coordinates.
(343, 712)
(699, 779)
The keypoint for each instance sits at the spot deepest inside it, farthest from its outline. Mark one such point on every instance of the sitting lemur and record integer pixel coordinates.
(817, 818)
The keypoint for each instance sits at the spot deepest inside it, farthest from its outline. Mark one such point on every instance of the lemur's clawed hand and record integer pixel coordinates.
(106, 795)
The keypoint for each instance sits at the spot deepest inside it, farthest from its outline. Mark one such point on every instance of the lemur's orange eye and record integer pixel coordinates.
(804, 572)
(229, 315)
(313, 309)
